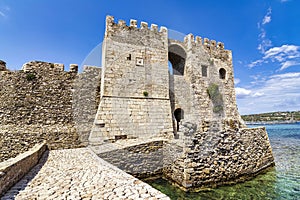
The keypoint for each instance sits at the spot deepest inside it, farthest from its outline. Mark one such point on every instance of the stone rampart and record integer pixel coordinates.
(12, 170)
(37, 104)
(42, 94)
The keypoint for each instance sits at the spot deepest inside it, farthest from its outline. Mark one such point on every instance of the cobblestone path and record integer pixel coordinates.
(79, 174)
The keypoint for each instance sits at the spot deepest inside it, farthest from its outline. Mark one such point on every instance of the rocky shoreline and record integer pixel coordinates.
(270, 122)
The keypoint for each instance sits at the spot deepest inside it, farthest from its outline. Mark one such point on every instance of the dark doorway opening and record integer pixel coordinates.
(177, 56)
(179, 115)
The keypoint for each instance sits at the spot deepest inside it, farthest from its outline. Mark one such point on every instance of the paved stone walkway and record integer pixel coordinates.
(79, 174)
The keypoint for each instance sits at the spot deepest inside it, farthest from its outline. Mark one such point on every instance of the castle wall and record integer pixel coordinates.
(142, 161)
(42, 95)
(135, 85)
(135, 60)
(183, 96)
(86, 98)
(193, 84)
(36, 105)
(132, 118)
(210, 159)
(212, 147)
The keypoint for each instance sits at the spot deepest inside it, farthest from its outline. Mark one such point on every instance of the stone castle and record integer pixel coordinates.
(165, 107)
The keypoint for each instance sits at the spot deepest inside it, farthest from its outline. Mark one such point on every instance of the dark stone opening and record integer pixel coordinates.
(222, 73)
(204, 70)
(179, 115)
(177, 56)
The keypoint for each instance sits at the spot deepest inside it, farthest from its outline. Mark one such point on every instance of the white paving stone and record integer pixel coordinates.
(79, 174)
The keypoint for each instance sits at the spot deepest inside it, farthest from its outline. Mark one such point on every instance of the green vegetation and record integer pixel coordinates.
(216, 97)
(145, 93)
(30, 76)
(273, 116)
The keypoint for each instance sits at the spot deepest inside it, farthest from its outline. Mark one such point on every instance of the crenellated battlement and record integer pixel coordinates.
(212, 47)
(33, 65)
(112, 26)
(190, 40)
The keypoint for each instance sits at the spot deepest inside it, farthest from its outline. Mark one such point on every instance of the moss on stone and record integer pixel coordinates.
(216, 97)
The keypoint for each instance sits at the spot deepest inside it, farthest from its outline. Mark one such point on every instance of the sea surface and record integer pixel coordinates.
(281, 182)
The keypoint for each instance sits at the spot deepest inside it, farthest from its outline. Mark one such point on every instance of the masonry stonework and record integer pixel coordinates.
(42, 102)
(191, 108)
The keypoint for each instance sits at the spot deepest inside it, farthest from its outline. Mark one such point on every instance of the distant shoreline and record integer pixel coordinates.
(271, 122)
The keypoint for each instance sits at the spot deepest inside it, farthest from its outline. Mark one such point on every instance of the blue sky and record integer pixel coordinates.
(264, 36)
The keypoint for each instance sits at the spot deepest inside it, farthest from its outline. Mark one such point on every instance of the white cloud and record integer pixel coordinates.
(288, 64)
(279, 92)
(258, 94)
(242, 92)
(264, 41)
(286, 75)
(237, 81)
(289, 50)
(267, 18)
(286, 56)
(255, 63)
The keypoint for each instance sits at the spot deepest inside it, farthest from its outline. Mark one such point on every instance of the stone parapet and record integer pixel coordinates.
(18, 139)
(12, 170)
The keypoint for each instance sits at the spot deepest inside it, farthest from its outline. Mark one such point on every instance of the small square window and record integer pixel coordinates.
(139, 61)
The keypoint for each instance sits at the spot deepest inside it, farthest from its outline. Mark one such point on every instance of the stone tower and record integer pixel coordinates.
(139, 96)
(135, 99)
(183, 93)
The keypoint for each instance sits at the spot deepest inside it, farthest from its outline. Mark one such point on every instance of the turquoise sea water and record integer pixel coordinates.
(282, 182)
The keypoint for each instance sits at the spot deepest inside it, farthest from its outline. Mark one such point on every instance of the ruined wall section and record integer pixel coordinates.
(134, 86)
(86, 98)
(36, 105)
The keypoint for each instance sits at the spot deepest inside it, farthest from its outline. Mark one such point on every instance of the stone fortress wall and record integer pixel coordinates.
(44, 102)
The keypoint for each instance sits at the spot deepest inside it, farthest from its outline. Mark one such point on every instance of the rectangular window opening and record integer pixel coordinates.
(204, 70)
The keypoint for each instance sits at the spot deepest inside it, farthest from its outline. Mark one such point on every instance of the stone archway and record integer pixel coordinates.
(177, 56)
(222, 73)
